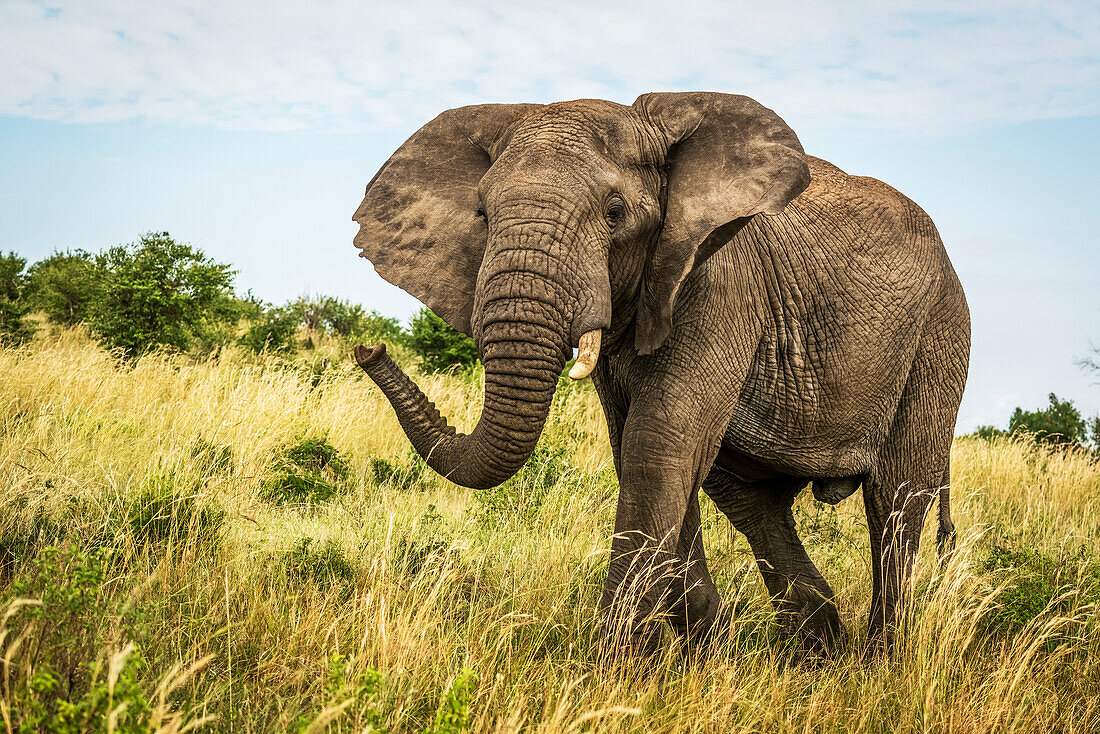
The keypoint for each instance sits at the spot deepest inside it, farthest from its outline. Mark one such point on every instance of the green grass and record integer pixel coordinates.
(238, 545)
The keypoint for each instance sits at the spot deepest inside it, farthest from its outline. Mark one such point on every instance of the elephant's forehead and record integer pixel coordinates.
(584, 125)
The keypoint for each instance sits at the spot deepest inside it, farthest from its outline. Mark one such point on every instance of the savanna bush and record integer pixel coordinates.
(317, 563)
(168, 510)
(64, 286)
(57, 679)
(523, 495)
(307, 470)
(274, 330)
(410, 474)
(438, 346)
(1036, 583)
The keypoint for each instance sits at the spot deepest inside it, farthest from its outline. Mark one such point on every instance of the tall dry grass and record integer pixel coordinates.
(415, 605)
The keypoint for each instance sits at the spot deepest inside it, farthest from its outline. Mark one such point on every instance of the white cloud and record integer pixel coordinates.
(934, 65)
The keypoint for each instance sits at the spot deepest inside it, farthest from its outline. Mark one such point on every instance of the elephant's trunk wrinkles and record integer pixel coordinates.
(520, 378)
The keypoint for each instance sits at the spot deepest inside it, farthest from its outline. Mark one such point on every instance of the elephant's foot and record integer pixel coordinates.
(814, 622)
(880, 641)
(700, 617)
(627, 642)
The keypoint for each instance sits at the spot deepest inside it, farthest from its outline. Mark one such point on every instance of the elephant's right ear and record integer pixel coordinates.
(419, 221)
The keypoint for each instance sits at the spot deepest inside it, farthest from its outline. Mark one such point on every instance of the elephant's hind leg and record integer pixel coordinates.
(762, 511)
(912, 467)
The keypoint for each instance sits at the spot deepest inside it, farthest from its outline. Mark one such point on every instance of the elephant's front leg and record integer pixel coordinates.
(697, 611)
(658, 570)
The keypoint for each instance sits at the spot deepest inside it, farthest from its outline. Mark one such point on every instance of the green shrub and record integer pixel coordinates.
(523, 495)
(1035, 582)
(160, 293)
(438, 346)
(308, 470)
(57, 679)
(14, 326)
(162, 513)
(118, 706)
(325, 564)
(454, 711)
(362, 689)
(274, 332)
(65, 624)
(819, 523)
(411, 475)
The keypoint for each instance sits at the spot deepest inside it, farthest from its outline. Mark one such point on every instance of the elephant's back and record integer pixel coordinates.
(865, 212)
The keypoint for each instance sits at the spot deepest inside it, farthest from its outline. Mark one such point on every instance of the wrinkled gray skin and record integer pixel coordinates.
(768, 321)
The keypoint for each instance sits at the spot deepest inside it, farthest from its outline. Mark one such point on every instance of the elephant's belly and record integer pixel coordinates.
(819, 405)
(763, 440)
(751, 463)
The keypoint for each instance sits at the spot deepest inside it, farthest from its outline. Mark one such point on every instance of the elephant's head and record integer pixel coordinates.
(533, 228)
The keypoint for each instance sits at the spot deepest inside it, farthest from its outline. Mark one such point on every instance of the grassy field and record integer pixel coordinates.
(245, 545)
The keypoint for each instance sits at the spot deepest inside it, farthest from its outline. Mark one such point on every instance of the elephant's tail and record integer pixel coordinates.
(945, 536)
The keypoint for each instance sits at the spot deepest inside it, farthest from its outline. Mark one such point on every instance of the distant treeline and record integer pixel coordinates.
(1060, 424)
(158, 293)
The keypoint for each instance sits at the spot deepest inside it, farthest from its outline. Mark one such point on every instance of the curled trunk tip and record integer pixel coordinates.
(366, 355)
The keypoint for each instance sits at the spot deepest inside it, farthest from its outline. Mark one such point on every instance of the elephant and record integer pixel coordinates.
(754, 320)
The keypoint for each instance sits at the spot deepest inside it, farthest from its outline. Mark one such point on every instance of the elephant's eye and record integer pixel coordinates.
(616, 210)
(481, 213)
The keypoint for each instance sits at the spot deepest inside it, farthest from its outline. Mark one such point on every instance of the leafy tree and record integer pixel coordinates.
(342, 317)
(274, 331)
(376, 327)
(1060, 423)
(64, 286)
(14, 327)
(250, 307)
(310, 312)
(326, 313)
(159, 292)
(438, 345)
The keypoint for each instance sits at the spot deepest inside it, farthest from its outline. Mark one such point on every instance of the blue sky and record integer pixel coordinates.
(250, 129)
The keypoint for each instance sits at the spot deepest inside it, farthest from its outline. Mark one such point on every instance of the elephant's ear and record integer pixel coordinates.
(419, 221)
(729, 158)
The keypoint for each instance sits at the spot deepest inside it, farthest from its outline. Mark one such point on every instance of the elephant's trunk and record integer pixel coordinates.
(522, 365)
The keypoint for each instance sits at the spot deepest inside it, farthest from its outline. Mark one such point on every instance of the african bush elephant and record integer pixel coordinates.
(754, 320)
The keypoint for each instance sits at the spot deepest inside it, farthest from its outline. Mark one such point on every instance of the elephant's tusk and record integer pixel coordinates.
(588, 353)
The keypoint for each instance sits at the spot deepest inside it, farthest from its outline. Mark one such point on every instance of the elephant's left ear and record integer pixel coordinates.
(729, 158)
